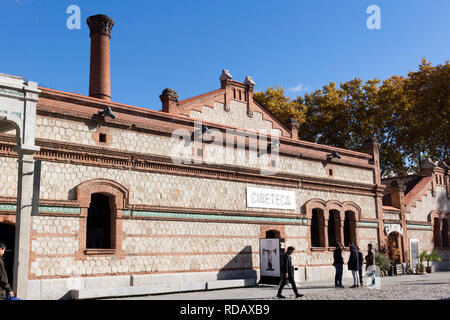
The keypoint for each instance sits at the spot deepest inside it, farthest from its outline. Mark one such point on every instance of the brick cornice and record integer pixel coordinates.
(105, 157)
(55, 103)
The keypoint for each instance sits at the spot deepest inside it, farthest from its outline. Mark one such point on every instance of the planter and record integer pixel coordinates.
(428, 269)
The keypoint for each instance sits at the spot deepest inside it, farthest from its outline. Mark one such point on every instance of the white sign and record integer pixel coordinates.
(393, 228)
(270, 198)
(269, 253)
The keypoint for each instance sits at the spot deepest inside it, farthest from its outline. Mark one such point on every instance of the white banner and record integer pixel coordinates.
(270, 198)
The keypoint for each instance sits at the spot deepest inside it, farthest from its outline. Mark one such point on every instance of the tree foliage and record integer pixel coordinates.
(408, 115)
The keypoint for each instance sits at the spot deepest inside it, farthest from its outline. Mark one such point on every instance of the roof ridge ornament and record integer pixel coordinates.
(226, 75)
(249, 81)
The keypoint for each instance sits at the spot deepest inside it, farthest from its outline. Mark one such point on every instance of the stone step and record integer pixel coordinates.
(98, 293)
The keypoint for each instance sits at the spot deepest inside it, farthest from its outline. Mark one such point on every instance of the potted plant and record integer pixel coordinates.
(433, 257)
(383, 262)
(420, 268)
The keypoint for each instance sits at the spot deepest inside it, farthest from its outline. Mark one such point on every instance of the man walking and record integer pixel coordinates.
(5, 288)
(339, 265)
(287, 273)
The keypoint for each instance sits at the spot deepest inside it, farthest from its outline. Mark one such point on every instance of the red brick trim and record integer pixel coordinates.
(102, 132)
(266, 227)
(94, 156)
(8, 218)
(326, 206)
(118, 196)
(59, 104)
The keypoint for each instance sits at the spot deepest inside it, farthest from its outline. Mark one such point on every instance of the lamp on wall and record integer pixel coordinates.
(272, 145)
(333, 154)
(197, 133)
(107, 112)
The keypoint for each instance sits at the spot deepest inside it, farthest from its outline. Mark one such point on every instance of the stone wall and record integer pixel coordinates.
(8, 177)
(429, 203)
(236, 117)
(166, 247)
(58, 182)
(132, 141)
(425, 238)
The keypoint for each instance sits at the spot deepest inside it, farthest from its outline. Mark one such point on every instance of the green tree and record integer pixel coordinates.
(408, 115)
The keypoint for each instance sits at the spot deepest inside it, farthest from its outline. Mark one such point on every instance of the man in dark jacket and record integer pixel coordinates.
(5, 288)
(370, 263)
(353, 265)
(339, 265)
(287, 273)
(361, 262)
(370, 258)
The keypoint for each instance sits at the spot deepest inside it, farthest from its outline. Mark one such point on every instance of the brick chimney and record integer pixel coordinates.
(169, 99)
(100, 73)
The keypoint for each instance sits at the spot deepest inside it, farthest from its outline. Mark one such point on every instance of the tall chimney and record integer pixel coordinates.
(100, 73)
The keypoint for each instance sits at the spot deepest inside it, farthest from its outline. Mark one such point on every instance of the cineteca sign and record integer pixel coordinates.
(393, 228)
(270, 198)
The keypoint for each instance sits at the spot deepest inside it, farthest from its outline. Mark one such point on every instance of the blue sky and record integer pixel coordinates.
(296, 44)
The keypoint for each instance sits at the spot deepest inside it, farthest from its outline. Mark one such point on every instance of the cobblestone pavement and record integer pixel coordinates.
(433, 286)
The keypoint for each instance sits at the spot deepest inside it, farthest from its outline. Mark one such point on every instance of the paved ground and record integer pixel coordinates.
(408, 287)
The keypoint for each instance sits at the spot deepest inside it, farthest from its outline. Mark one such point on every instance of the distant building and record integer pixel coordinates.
(417, 213)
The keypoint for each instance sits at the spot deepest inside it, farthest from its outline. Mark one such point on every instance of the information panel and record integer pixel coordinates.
(269, 257)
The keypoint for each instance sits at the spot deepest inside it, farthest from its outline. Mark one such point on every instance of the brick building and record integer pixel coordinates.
(132, 198)
(417, 213)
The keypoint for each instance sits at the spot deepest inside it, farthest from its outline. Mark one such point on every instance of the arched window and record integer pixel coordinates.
(349, 228)
(334, 228)
(437, 233)
(445, 239)
(317, 228)
(98, 235)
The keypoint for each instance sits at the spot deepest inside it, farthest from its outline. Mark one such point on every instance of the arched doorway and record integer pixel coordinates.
(395, 247)
(7, 236)
(273, 234)
(349, 228)
(99, 222)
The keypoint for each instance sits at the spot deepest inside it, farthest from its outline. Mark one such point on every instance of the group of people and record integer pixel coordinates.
(355, 265)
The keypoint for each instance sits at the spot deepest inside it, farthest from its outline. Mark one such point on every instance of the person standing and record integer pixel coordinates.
(370, 258)
(287, 273)
(361, 262)
(370, 262)
(5, 288)
(353, 265)
(338, 265)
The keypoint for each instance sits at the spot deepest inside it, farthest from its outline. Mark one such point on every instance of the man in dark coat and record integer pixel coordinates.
(287, 273)
(370, 263)
(370, 258)
(339, 265)
(361, 262)
(353, 265)
(5, 288)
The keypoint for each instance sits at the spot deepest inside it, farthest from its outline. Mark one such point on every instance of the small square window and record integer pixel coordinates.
(102, 137)
(330, 172)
